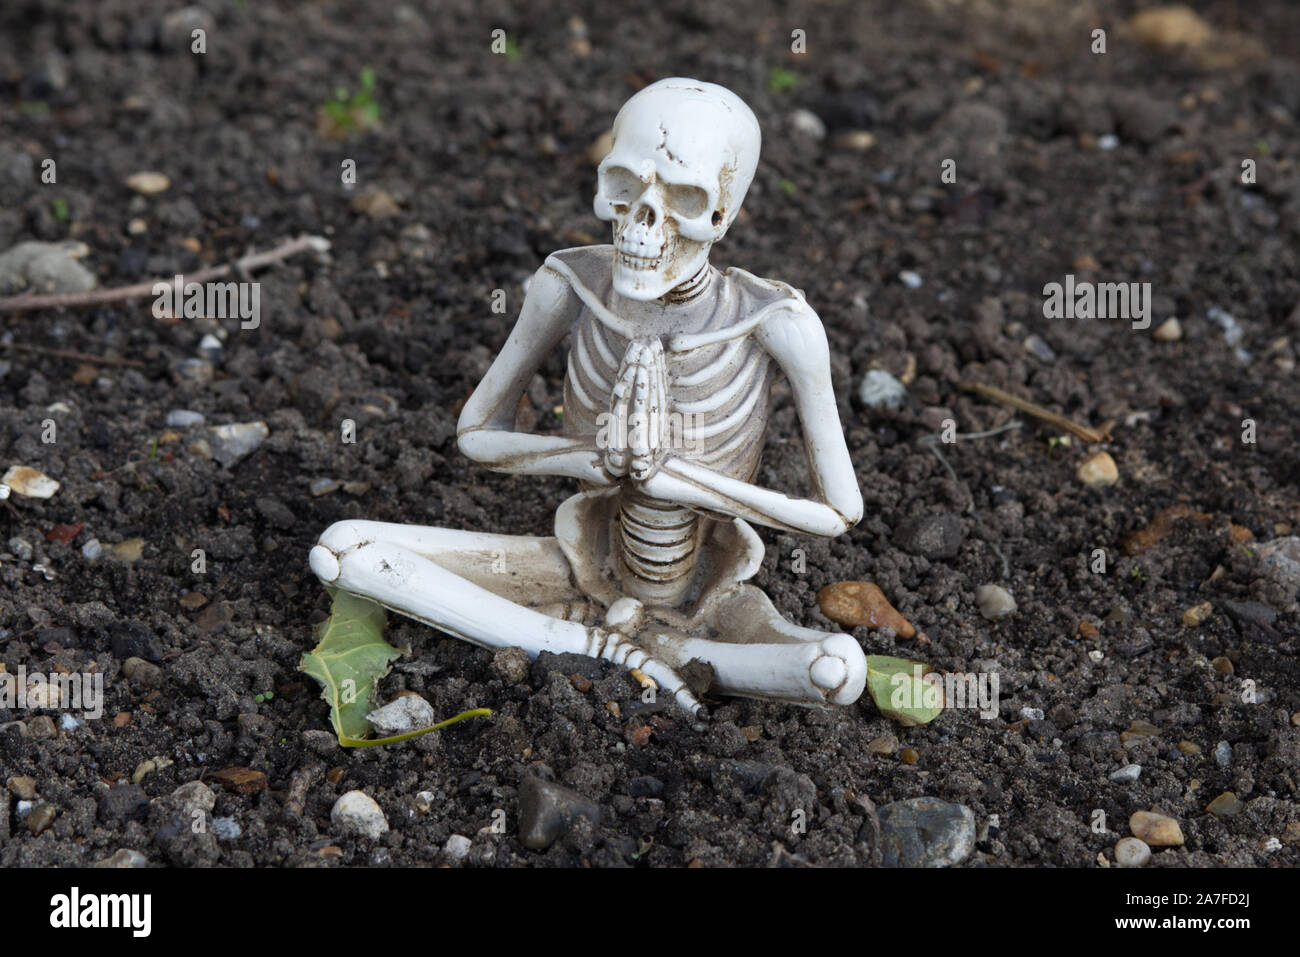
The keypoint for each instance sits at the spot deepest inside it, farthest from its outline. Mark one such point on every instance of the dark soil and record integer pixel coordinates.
(487, 159)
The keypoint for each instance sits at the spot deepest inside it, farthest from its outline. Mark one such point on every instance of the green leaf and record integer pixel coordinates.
(348, 661)
(899, 691)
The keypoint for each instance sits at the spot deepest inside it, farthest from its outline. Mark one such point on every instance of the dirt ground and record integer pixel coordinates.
(1124, 166)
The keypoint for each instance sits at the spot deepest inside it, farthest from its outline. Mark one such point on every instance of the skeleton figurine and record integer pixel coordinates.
(665, 406)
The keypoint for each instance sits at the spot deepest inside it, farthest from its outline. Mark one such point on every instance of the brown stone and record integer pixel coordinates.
(1135, 543)
(1158, 830)
(240, 780)
(862, 604)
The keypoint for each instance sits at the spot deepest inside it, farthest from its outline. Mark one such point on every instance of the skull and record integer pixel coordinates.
(683, 156)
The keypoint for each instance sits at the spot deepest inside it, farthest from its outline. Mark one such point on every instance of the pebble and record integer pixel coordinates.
(862, 604)
(1138, 730)
(1223, 754)
(195, 371)
(41, 819)
(1232, 332)
(45, 268)
(1032, 714)
(1036, 346)
(68, 723)
(376, 204)
(994, 602)
(512, 664)
(20, 549)
(122, 802)
(1170, 26)
(226, 829)
(1108, 142)
(1157, 830)
(195, 796)
(144, 674)
(1222, 665)
(184, 418)
(547, 810)
(323, 486)
(149, 183)
(885, 744)
(1127, 774)
(409, 712)
(807, 123)
(92, 550)
(910, 279)
(29, 482)
(1099, 470)
(124, 858)
(128, 551)
(1197, 614)
(457, 847)
(932, 536)
(1132, 852)
(232, 443)
(1171, 330)
(880, 390)
(357, 813)
(925, 832)
(22, 787)
(1187, 747)
(1226, 804)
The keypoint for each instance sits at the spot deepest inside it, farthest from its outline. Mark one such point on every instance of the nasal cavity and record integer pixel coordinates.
(645, 216)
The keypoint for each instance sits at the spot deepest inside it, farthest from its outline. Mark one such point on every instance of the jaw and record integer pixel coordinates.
(648, 278)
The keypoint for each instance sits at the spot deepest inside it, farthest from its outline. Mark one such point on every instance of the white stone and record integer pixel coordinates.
(410, 712)
(1131, 852)
(994, 602)
(457, 847)
(357, 813)
(880, 390)
(29, 482)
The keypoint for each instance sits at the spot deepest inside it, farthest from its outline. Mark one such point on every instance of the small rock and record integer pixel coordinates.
(92, 550)
(141, 673)
(1032, 714)
(1197, 614)
(68, 723)
(124, 858)
(1038, 348)
(409, 712)
(22, 787)
(149, 183)
(29, 482)
(20, 549)
(807, 123)
(240, 780)
(1222, 665)
(1127, 774)
(323, 486)
(1107, 142)
(862, 604)
(925, 832)
(129, 551)
(1131, 852)
(123, 802)
(1171, 330)
(547, 811)
(1170, 26)
(1232, 331)
(1187, 747)
(1138, 730)
(457, 847)
(880, 390)
(184, 418)
(1099, 470)
(512, 664)
(195, 796)
(1223, 754)
(232, 443)
(994, 602)
(41, 819)
(376, 204)
(45, 268)
(226, 829)
(357, 813)
(931, 536)
(910, 279)
(1157, 830)
(884, 745)
(1226, 804)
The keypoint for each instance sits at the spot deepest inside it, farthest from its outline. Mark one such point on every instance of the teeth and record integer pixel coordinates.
(638, 262)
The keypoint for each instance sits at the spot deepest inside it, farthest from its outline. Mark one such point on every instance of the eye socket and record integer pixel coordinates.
(621, 186)
(688, 202)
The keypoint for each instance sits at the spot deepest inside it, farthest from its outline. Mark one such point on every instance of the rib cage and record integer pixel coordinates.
(724, 387)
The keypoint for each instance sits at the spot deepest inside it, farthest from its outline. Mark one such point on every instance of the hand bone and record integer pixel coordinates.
(639, 407)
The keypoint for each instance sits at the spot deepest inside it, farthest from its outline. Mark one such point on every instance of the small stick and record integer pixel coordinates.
(1038, 412)
(97, 297)
(70, 354)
